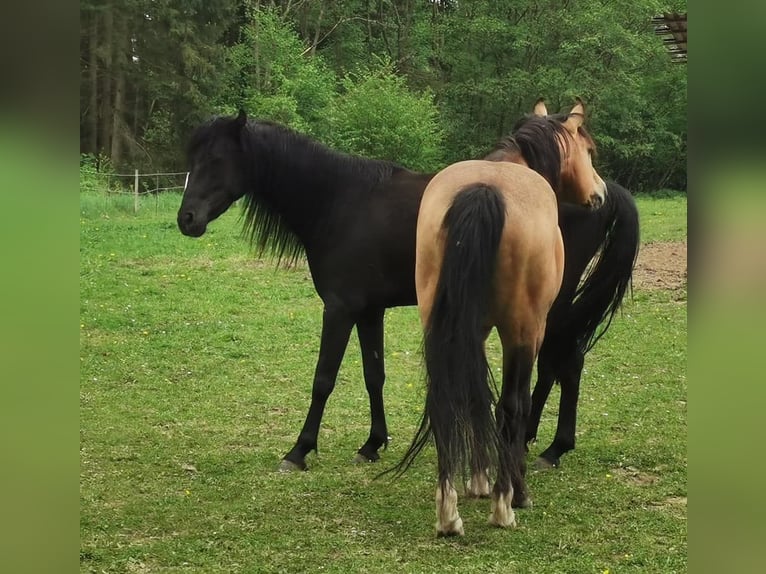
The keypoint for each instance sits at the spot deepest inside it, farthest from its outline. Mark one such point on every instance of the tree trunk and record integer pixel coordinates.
(105, 139)
(118, 124)
(404, 49)
(317, 31)
(256, 47)
(121, 60)
(92, 121)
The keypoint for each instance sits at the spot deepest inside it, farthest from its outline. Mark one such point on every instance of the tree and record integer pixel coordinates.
(378, 116)
(150, 66)
(153, 69)
(273, 74)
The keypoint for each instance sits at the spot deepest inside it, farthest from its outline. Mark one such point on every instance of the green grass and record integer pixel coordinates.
(663, 217)
(196, 366)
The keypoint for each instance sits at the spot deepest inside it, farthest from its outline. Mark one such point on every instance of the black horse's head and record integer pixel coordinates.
(217, 173)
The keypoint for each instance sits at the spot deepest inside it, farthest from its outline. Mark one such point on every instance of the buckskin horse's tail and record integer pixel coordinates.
(601, 292)
(459, 397)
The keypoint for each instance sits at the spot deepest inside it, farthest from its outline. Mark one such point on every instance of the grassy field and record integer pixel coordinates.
(196, 366)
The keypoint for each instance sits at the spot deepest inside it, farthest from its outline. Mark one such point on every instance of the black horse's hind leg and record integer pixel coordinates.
(546, 376)
(564, 441)
(369, 326)
(336, 330)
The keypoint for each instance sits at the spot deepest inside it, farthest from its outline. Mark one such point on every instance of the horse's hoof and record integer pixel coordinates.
(544, 464)
(510, 523)
(477, 488)
(289, 466)
(359, 458)
(501, 511)
(525, 503)
(453, 529)
(469, 493)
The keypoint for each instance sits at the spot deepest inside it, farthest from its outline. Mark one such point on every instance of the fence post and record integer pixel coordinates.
(135, 194)
(106, 193)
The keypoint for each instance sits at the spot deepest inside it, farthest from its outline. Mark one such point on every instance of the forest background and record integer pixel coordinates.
(420, 82)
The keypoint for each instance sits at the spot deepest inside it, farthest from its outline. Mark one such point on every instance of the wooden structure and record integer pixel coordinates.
(672, 27)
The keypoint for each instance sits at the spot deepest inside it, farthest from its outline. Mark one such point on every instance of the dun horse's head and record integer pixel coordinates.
(580, 182)
(216, 177)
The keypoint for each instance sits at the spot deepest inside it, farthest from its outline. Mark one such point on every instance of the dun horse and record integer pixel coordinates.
(489, 254)
(583, 311)
(354, 219)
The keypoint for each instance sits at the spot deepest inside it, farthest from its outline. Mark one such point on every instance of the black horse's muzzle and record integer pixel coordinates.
(190, 225)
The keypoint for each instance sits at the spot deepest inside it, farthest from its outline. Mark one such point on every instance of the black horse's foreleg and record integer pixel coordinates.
(564, 440)
(336, 330)
(546, 376)
(369, 327)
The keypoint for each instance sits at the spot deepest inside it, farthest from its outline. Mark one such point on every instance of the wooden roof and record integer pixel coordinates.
(671, 26)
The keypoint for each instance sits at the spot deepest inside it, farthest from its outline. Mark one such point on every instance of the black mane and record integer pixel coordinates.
(291, 182)
(536, 138)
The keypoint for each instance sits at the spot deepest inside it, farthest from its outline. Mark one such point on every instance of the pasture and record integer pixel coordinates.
(196, 367)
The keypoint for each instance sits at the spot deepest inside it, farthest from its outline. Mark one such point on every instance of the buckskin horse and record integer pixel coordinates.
(490, 254)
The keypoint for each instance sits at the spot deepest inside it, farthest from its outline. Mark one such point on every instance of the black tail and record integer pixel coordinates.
(460, 399)
(600, 294)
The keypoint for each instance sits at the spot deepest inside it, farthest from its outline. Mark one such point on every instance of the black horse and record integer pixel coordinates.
(582, 312)
(355, 221)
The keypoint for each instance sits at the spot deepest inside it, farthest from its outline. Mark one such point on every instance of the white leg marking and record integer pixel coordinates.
(478, 486)
(448, 521)
(187, 180)
(502, 514)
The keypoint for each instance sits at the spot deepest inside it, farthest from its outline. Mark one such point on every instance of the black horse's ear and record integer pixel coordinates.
(241, 120)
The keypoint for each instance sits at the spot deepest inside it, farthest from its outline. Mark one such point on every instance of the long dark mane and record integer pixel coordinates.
(290, 183)
(263, 225)
(313, 175)
(537, 139)
(599, 296)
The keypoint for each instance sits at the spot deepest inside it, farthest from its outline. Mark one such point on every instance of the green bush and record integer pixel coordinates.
(91, 180)
(378, 116)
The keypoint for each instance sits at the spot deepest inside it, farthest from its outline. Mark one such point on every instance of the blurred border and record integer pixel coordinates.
(39, 231)
(728, 266)
(40, 344)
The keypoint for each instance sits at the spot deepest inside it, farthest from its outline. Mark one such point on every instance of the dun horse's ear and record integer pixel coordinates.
(241, 119)
(576, 117)
(540, 109)
(579, 107)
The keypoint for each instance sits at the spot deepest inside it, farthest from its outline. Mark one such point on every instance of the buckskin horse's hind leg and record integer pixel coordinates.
(478, 485)
(510, 489)
(370, 330)
(336, 330)
(448, 521)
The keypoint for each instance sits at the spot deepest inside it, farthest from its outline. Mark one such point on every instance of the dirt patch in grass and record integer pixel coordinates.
(634, 476)
(672, 505)
(661, 265)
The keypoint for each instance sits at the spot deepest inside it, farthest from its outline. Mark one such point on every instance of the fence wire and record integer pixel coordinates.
(141, 185)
